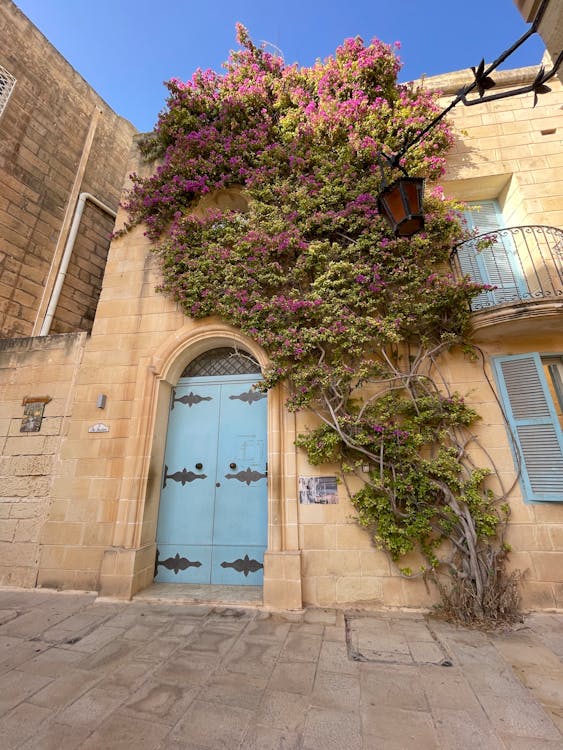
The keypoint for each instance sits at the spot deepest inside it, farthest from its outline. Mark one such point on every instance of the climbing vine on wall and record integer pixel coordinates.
(353, 319)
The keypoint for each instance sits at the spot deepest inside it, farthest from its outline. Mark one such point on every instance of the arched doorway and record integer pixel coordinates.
(212, 521)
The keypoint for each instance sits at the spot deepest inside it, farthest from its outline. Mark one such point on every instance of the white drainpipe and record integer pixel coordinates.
(65, 260)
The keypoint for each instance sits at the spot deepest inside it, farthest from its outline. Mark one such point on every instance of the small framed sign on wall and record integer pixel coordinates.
(33, 407)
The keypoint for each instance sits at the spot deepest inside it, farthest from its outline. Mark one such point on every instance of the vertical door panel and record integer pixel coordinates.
(240, 521)
(186, 503)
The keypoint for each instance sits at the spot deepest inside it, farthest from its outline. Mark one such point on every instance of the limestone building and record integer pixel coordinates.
(81, 497)
(58, 141)
(63, 159)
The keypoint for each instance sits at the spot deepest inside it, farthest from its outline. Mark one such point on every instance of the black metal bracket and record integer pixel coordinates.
(483, 82)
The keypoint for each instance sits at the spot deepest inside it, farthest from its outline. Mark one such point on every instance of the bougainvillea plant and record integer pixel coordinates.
(353, 320)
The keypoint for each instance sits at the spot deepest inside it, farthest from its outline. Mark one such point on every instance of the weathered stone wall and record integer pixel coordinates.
(102, 474)
(46, 159)
(29, 462)
(77, 304)
(99, 528)
(508, 150)
(511, 151)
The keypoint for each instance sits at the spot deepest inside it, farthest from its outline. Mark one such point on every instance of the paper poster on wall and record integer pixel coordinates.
(318, 491)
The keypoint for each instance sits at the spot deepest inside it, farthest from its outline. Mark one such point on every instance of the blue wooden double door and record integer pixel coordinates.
(212, 523)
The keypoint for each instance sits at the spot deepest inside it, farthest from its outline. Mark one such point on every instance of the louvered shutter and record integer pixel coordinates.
(467, 257)
(498, 264)
(534, 425)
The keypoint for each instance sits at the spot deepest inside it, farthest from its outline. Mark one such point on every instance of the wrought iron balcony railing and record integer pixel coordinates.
(520, 264)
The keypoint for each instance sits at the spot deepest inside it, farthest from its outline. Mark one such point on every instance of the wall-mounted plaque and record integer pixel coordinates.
(99, 427)
(33, 408)
(318, 491)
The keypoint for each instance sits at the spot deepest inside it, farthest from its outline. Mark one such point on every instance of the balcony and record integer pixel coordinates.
(523, 266)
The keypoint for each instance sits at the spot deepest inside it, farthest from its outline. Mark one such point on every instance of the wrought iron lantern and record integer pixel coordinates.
(401, 204)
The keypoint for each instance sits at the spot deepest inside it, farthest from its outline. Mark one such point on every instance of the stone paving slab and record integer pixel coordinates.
(81, 673)
(393, 640)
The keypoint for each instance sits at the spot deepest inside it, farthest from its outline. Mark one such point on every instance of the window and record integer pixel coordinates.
(222, 361)
(497, 264)
(7, 83)
(531, 391)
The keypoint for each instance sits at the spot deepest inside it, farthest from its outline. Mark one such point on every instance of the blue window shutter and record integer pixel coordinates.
(486, 217)
(534, 425)
(468, 261)
(498, 265)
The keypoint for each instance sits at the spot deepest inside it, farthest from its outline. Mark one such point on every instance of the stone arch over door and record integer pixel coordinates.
(128, 565)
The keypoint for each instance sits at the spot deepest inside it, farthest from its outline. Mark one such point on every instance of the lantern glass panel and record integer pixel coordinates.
(393, 201)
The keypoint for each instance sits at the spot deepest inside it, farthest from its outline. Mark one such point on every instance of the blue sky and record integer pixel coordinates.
(125, 49)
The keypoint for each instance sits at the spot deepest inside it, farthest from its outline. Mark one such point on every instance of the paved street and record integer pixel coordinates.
(77, 672)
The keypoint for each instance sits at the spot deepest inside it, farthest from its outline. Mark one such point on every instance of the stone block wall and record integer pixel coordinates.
(100, 529)
(93, 520)
(507, 150)
(29, 461)
(100, 471)
(76, 309)
(57, 138)
(511, 151)
(535, 530)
